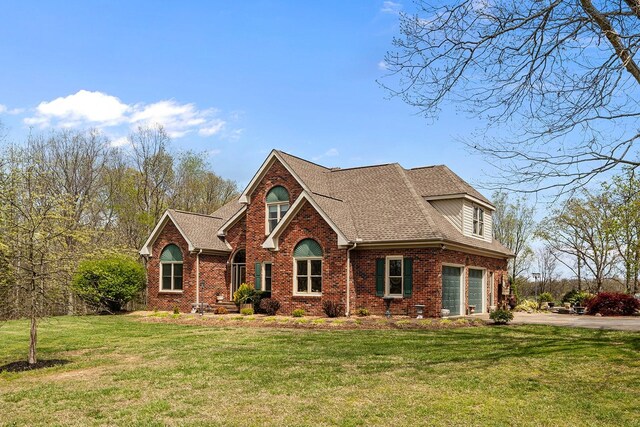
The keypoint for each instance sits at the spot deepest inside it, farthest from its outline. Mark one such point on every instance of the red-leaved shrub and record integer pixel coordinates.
(613, 304)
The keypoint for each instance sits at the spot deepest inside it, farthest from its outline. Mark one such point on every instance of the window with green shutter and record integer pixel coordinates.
(408, 276)
(258, 280)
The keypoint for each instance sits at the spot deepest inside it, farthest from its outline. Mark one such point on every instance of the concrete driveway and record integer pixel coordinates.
(584, 321)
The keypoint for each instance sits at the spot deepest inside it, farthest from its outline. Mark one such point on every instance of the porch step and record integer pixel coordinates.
(229, 305)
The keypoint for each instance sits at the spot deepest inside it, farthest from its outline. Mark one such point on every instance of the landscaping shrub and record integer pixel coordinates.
(501, 317)
(545, 297)
(298, 312)
(575, 297)
(220, 310)
(332, 308)
(245, 294)
(526, 305)
(362, 312)
(109, 282)
(270, 306)
(176, 310)
(613, 304)
(246, 311)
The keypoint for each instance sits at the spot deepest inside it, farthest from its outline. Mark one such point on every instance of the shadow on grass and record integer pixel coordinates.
(23, 365)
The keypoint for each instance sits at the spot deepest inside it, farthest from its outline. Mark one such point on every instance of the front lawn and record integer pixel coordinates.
(125, 371)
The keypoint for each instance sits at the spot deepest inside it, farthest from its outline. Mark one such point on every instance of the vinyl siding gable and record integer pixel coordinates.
(451, 209)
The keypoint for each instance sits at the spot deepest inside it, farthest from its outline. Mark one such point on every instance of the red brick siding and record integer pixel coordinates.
(427, 278)
(212, 271)
(309, 224)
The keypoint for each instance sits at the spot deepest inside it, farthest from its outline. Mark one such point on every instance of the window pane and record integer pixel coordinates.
(267, 270)
(177, 283)
(316, 284)
(302, 268)
(302, 284)
(166, 270)
(272, 224)
(481, 232)
(316, 267)
(283, 210)
(166, 283)
(395, 267)
(267, 284)
(395, 285)
(177, 269)
(273, 211)
(480, 214)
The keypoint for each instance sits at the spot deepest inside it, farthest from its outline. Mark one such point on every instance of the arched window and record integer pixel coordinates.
(171, 269)
(277, 206)
(307, 260)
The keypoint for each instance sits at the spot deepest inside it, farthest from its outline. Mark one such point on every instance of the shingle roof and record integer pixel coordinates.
(382, 203)
(439, 180)
(201, 230)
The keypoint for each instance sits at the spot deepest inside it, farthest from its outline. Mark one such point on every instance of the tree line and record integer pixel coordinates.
(594, 235)
(72, 195)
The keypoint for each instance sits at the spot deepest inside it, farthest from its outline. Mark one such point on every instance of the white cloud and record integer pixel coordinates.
(391, 7)
(382, 65)
(120, 142)
(3, 108)
(94, 108)
(97, 109)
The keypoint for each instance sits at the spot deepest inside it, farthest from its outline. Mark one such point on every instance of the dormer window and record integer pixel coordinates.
(478, 221)
(277, 206)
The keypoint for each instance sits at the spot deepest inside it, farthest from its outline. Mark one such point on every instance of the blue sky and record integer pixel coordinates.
(231, 79)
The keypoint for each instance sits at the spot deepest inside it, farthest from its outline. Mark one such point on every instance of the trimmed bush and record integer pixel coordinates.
(332, 308)
(501, 317)
(109, 282)
(298, 312)
(270, 306)
(362, 312)
(246, 311)
(613, 304)
(579, 298)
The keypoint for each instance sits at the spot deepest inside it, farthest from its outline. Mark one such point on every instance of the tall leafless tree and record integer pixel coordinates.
(562, 76)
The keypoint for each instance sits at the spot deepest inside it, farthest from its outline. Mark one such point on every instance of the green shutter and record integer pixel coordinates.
(408, 276)
(277, 194)
(258, 281)
(380, 277)
(307, 248)
(171, 253)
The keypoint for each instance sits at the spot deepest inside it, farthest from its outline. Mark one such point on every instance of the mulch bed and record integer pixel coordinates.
(339, 323)
(23, 365)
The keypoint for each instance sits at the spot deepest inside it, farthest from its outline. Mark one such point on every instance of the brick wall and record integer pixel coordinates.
(212, 271)
(427, 278)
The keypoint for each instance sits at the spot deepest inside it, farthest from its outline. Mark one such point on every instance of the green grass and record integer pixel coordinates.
(128, 372)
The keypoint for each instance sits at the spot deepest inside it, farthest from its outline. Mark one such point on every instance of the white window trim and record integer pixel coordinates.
(172, 290)
(387, 271)
(463, 294)
(295, 276)
(484, 288)
(280, 216)
(263, 285)
(477, 220)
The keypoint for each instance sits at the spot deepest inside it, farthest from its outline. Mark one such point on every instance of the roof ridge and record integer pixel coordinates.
(418, 199)
(304, 160)
(195, 213)
(363, 167)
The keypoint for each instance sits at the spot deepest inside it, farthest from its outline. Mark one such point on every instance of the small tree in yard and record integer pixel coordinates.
(109, 282)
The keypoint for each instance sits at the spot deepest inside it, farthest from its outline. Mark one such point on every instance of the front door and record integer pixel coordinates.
(238, 271)
(451, 294)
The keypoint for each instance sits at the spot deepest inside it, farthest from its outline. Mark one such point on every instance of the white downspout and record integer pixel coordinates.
(198, 279)
(348, 305)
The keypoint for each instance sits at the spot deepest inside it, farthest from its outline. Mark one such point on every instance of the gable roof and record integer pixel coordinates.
(380, 204)
(199, 231)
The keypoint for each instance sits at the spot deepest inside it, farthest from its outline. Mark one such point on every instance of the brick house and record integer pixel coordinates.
(365, 237)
